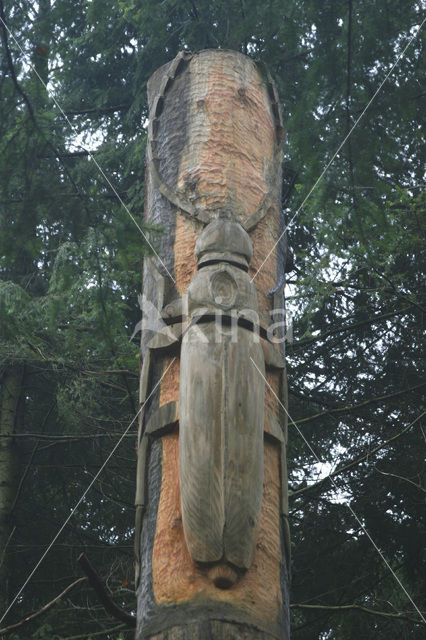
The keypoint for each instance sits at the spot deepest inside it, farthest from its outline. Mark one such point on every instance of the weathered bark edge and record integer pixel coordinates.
(192, 617)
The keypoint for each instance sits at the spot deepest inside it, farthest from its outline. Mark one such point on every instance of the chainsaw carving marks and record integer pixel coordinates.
(221, 411)
(221, 403)
(209, 428)
(173, 195)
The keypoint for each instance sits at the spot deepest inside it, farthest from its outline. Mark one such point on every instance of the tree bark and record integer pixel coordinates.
(11, 389)
(214, 144)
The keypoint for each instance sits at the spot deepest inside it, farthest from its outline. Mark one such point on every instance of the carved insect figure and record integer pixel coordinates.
(221, 402)
(225, 353)
(221, 410)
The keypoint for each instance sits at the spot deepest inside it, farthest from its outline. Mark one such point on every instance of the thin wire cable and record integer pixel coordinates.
(254, 276)
(324, 171)
(83, 496)
(337, 489)
(89, 153)
(3, 553)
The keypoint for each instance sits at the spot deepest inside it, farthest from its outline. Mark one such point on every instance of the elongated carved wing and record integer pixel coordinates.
(201, 445)
(243, 425)
(221, 443)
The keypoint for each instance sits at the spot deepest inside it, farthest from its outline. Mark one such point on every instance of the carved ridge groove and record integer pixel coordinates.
(182, 59)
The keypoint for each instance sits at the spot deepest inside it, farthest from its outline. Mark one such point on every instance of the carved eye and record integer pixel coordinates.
(223, 288)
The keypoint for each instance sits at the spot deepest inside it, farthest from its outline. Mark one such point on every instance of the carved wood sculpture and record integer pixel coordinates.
(211, 538)
(221, 404)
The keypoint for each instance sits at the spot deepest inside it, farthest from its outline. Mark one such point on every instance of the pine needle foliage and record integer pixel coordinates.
(70, 271)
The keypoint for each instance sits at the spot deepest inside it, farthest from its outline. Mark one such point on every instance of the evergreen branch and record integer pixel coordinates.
(74, 154)
(10, 63)
(349, 465)
(194, 10)
(27, 468)
(68, 438)
(22, 93)
(44, 436)
(371, 576)
(94, 634)
(23, 477)
(296, 56)
(393, 289)
(64, 194)
(349, 327)
(40, 612)
(107, 372)
(356, 607)
(348, 122)
(97, 110)
(354, 407)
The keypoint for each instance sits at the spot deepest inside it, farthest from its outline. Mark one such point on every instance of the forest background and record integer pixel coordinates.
(70, 274)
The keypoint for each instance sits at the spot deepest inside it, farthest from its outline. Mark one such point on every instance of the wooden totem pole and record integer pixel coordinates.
(212, 541)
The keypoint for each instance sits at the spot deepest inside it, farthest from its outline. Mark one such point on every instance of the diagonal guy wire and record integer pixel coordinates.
(337, 489)
(330, 162)
(190, 324)
(74, 509)
(91, 156)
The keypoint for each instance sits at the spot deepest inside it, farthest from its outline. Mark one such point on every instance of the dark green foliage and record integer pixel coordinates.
(70, 272)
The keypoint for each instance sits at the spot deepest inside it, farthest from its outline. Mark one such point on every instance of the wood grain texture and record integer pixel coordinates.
(146, 603)
(264, 237)
(169, 390)
(212, 630)
(178, 579)
(272, 391)
(221, 439)
(216, 140)
(231, 136)
(187, 232)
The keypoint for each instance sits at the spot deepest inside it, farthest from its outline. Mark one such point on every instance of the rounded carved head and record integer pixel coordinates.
(224, 240)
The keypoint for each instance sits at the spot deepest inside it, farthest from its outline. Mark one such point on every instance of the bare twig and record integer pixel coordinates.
(103, 632)
(43, 610)
(394, 475)
(3, 553)
(95, 111)
(315, 416)
(107, 372)
(356, 607)
(65, 438)
(100, 590)
(370, 452)
(349, 327)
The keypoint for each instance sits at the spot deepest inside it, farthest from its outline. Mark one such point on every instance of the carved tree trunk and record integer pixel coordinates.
(212, 543)
(10, 394)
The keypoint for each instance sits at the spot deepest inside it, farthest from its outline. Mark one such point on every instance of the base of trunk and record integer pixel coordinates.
(212, 630)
